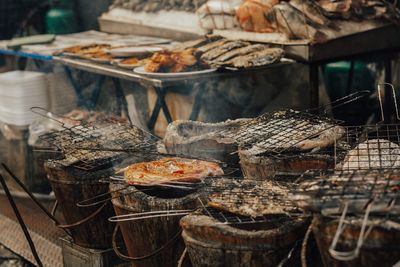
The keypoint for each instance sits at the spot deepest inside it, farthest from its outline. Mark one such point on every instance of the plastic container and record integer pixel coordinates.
(19, 91)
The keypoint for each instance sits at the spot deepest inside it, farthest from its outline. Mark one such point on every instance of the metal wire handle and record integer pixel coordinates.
(149, 215)
(350, 255)
(87, 202)
(381, 101)
(84, 220)
(39, 111)
(342, 101)
(152, 254)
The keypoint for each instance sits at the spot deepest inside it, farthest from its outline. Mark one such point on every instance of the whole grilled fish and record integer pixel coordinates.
(220, 50)
(258, 58)
(239, 52)
(313, 13)
(296, 25)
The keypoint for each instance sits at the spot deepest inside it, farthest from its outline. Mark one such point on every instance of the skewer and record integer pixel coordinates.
(149, 215)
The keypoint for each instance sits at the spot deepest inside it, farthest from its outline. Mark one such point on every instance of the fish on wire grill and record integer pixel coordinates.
(357, 189)
(279, 131)
(371, 147)
(233, 201)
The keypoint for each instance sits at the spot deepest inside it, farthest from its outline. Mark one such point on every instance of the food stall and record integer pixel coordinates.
(248, 186)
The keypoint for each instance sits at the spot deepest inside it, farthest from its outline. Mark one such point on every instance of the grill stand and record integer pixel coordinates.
(77, 256)
(21, 222)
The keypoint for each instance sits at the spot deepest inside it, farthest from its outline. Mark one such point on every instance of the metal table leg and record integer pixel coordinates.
(350, 78)
(21, 221)
(122, 105)
(92, 102)
(314, 85)
(96, 92)
(160, 105)
(389, 101)
(75, 86)
(198, 98)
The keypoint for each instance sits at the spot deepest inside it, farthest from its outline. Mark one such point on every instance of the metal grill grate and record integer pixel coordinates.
(357, 189)
(369, 147)
(90, 147)
(230, 218)
(247, 199)
(279, 131)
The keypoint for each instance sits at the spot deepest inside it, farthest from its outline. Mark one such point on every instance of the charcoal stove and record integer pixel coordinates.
(359, 215)
(218, 237)
(88, 153)
(281, 141)
(151, 240)
(198, 139)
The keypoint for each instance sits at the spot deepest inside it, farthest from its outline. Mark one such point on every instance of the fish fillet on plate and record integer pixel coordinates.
(171, 169)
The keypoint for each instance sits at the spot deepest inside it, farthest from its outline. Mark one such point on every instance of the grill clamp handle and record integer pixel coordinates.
(364, 232)
(152, 254)
(149, 215)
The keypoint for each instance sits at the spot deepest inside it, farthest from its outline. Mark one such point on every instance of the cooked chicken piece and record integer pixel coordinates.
(252, 15)
(178, 68)
(152, 66)
(162, 58)
(184, 59)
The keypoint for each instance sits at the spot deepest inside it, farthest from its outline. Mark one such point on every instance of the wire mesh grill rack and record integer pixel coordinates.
(92, 146)
(357, 189)
(279, 131)
(246, 201)
(369, 147)
(230, 218)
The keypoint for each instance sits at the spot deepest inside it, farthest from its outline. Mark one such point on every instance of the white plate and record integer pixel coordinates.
(117, 62)
(134, 51)
(74, 55)
(140, 70)
(100, 60)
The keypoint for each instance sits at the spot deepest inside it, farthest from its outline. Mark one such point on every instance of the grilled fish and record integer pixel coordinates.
(249, 198)
(220, 50)
(240, 52)
(296, 25)
(325, 139)
(313, 13)
(212, 45)
(258, 58)
(373, 154)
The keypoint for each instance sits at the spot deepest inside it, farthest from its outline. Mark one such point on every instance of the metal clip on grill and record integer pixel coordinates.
(350, 255)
